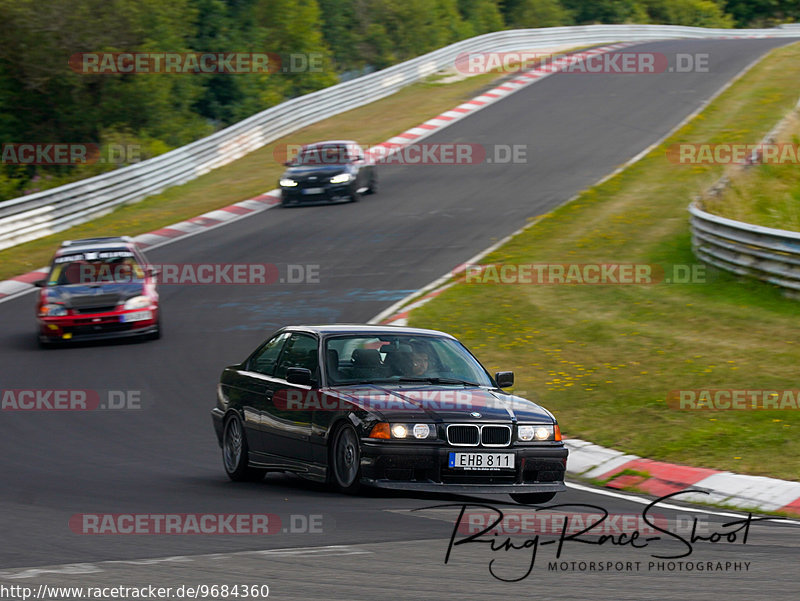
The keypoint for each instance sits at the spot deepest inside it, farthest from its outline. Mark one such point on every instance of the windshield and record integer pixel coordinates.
(324, 155)
(109, 267)
(400, 359)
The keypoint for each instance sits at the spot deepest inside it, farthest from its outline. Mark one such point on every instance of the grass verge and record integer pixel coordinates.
(766, 194)
(604, 358)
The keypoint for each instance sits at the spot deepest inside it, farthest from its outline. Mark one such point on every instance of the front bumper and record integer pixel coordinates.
(330, 193)
(425, 468)
(94, 326)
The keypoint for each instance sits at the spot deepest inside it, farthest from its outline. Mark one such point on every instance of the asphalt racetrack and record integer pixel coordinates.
(425, 220)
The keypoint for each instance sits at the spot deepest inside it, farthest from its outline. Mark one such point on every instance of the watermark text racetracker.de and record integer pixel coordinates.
(199, 273)
(582, 273)
(733, 399)
(54, 399)
(182, 524)
(114, 63)
(780, 153)
(623, 62)
(392, 153)
(68, 153)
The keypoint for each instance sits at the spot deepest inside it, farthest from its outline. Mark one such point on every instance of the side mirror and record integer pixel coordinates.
(154, 271)
(298, 375)
(40, 283)
(504, 379)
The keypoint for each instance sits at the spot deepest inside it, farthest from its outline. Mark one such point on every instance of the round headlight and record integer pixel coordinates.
(421, 430)
(137, 302)
(399, 431)
(526, 432)
(542, 433)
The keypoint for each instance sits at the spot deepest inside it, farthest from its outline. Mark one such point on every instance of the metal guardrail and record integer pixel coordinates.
(755, 251)
(43, 213)
(759, 252)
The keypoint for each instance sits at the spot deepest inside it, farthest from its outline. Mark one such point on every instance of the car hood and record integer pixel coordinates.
(304, 171)
(446, 404)
(84, 296)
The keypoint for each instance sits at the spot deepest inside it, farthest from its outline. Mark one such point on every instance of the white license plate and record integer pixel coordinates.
(136, 316)
(313, 190)
(482, 461)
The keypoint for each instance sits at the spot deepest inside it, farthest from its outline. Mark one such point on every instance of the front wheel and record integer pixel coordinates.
(345, 460)
(234, 453)
(373, 185)
(532, 498)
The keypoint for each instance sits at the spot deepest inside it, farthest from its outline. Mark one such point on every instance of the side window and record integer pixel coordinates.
(263, 362)
(300, 351)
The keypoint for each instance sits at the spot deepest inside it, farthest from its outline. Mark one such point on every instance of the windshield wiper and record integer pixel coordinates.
(434, 380)
(414, 380)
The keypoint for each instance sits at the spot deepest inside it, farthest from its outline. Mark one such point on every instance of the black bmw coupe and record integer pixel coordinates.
(384, 406)
(326, 172)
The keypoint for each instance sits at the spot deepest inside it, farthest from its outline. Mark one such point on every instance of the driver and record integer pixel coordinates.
(420, 361)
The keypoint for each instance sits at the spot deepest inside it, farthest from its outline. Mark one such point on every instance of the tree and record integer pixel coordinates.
(538, 13)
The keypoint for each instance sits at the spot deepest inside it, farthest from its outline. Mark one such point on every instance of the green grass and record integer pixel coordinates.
(767, 194)
(256, 172)
(604, 358)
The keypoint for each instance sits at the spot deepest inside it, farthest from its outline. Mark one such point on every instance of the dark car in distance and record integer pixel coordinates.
(327, 172)
(384, 406)
(98, 288)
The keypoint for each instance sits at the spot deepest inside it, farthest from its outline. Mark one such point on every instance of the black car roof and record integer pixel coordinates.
(345, 328)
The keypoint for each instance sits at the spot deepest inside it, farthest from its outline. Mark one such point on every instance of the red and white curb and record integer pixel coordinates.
(22, 284)
(658, 478)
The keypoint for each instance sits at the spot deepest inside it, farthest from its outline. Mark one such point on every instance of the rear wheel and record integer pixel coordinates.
(345, 460)
(234, 453)
(532, 498)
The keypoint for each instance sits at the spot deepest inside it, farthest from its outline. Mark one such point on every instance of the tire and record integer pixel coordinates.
(373, 185)
(157, 334)
(45, 344)
(345, 461)
(532, 498)
(234, 453)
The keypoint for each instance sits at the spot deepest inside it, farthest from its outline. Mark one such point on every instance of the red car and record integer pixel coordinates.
(98, 288)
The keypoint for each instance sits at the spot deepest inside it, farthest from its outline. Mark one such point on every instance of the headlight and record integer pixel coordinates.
(342, 178)
(137, 302)
(418, 431)
(528, 433)
(403, 431)
(287, 183)
(399, 431)
(52, 310)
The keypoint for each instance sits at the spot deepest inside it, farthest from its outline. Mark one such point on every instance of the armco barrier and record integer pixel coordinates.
(755, 251)
(36, 215)
(751, 250)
